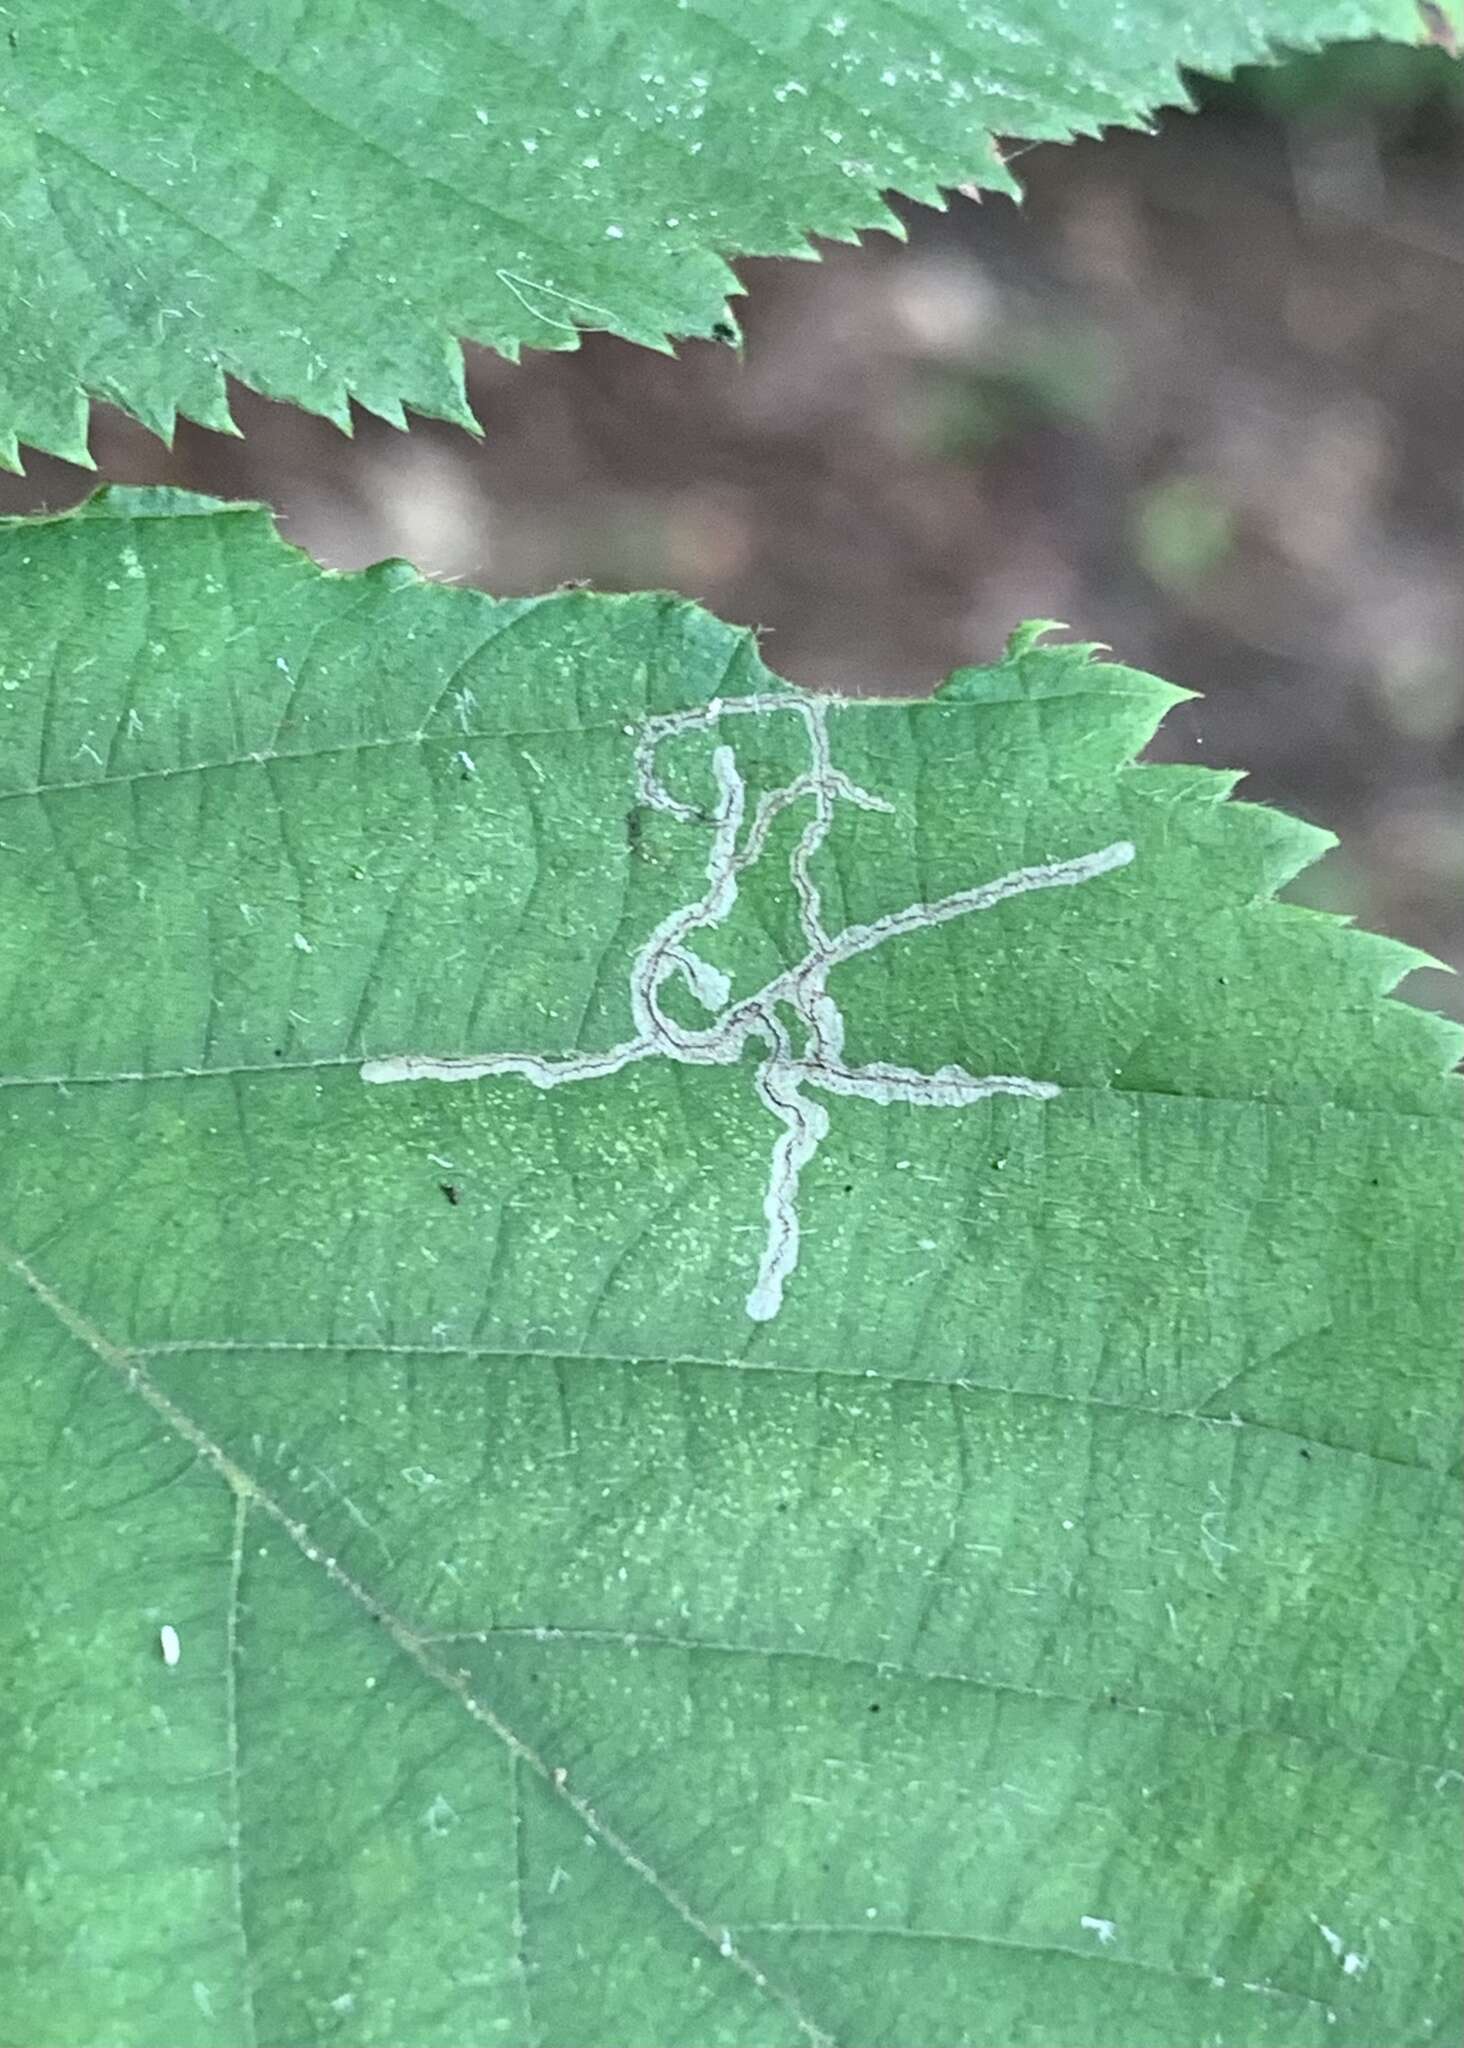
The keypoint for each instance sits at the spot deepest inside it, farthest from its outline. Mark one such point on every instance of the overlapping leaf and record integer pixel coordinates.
(785, 1364)
(321, 198)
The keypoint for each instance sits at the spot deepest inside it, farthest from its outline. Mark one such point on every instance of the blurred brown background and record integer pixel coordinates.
(1200, 396)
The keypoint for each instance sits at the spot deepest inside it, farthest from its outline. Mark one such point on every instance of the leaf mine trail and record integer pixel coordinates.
(793, 1016)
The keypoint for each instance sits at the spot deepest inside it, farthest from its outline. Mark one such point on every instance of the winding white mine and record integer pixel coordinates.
(800, 994)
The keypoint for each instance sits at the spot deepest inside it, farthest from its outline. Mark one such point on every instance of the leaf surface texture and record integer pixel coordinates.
(1029, 1621)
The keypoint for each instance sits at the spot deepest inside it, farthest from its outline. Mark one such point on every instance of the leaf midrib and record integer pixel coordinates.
(126, 1365)
(130, 1360)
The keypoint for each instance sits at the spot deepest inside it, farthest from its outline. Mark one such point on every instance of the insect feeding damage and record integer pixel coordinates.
(794, 1017)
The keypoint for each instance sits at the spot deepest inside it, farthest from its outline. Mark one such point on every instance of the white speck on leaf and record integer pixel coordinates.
(1105, 1930)
(439, 1816)
(1353, 1964)
(169, 1644)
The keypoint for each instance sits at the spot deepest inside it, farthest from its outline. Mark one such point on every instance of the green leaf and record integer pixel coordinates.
(784, 1366)
(319, 200)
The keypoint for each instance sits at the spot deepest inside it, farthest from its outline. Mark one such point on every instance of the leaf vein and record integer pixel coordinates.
(127, 1365)
(901, 1667)
(231, 1741)
(1278, 1105)
(961, 1938)
(309, 1346)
